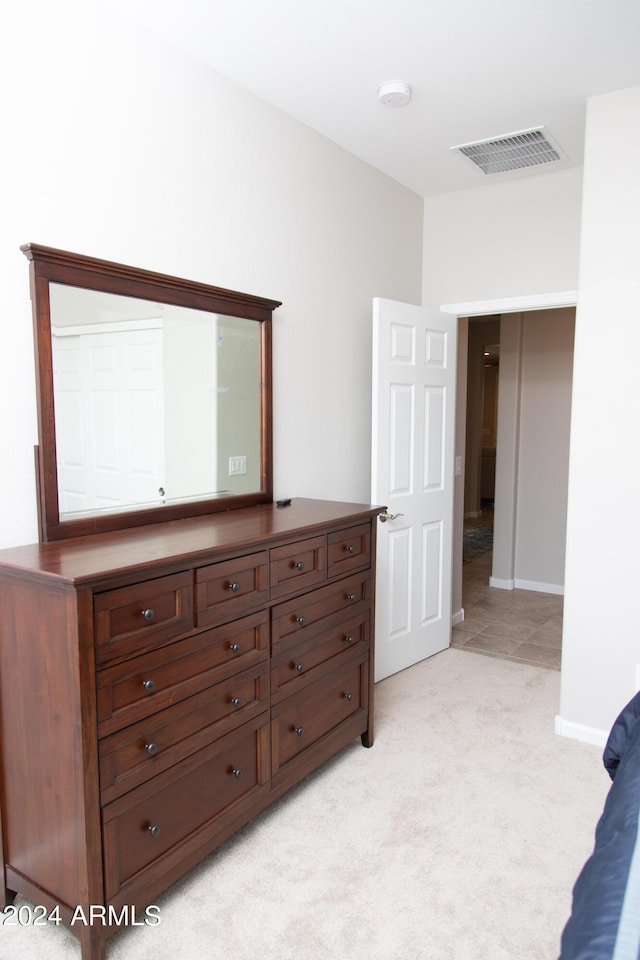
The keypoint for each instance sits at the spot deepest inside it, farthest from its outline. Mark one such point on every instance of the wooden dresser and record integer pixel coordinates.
(159, 686)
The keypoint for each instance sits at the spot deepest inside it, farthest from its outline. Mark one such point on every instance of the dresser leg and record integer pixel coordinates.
(367, 738)
(6, 897)
(93, 944)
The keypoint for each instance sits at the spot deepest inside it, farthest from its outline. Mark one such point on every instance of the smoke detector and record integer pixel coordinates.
(394, 94)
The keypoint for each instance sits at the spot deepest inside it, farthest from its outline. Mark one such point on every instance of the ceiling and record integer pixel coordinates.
(477, 70)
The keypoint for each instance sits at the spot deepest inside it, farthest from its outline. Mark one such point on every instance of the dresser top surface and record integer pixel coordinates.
(86, 558)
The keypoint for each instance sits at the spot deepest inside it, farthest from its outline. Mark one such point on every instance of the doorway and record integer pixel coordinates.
(526, 558)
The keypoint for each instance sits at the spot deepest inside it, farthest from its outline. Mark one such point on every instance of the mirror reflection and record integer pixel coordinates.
(154, 403)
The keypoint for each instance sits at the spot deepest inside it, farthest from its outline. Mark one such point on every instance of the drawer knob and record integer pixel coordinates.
(300, 620)
(154, 830)
(352, 597)
(298, 565)
(236, 701)
(148, 614)
(234, 647)
(298, 731)
(237, 772)
(299, 667)
(234, 587)
(348, 696)
(350, 548)
(149, 685)
(151, 748)
(348, 640)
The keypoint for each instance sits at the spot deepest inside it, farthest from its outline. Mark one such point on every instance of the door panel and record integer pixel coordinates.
(412, 473)
(401, 438)
(431, 567)
(434, 438)
(398, 584)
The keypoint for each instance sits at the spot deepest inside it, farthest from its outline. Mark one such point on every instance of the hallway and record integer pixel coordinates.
(513, 624)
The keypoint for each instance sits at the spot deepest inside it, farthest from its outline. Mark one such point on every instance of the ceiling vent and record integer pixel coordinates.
(526, 148)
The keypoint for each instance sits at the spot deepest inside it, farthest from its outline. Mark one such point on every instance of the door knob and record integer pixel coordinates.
(385, 515)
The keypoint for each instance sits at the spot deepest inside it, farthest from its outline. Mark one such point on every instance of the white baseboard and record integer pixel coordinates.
(501, 584)
(473, 515)
(579, 731)
(557, 588)
(457, 617)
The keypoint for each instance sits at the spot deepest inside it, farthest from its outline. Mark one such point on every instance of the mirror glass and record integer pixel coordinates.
(154, 403)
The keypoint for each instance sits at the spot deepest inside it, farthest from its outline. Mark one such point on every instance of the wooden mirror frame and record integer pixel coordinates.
(48, 264)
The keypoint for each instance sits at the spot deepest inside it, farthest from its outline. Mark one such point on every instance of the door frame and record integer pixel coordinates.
(506, 529)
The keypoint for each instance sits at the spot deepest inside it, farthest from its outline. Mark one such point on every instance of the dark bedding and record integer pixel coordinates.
(605, 916)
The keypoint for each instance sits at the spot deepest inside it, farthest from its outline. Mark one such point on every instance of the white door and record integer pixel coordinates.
(103, 378)
(413, 419)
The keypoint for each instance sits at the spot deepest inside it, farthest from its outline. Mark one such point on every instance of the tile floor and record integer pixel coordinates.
(513, 624)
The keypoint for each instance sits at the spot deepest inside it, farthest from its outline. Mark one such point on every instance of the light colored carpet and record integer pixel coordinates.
(458, 836)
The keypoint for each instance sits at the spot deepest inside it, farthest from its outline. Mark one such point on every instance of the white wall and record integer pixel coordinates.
(118, 146)
(536, 361)
(543, 449)
(503, 240)
(601, 647)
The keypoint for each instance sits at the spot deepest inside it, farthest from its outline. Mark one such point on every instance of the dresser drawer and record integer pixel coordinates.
(148, 823)
(142, 616)
(349, 550)
(301, 720)
(231, 588)
(132, 690)
(294, 658)
(321, 608)
(298, 566)
(144, 749)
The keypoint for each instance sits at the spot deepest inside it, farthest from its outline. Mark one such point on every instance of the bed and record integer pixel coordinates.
(605, 915)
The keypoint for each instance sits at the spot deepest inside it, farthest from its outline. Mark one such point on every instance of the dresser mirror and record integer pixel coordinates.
(154, 395)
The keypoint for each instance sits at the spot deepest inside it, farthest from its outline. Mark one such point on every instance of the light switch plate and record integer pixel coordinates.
(237, 466)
